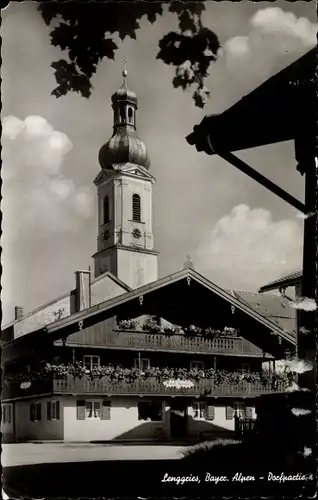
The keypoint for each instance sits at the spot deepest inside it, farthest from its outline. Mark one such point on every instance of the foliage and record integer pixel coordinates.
(190, 331)
(151, 326)
(120, 373)
(206, 446)
(127, 324)
(86, 32)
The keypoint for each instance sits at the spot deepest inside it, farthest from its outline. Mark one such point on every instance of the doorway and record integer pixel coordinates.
(178, 418)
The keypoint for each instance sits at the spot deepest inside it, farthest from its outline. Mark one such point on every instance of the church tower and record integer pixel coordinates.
(125, 243)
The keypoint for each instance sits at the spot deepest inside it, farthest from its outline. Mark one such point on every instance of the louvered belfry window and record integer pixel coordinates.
(136, 207)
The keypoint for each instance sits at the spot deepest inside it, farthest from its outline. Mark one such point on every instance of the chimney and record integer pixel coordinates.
(83, 290)
(18, 312)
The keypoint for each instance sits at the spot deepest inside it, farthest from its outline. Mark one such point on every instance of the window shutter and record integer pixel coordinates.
(32, 412)
(229, 413)
(39, 412)
(210, 413)
(249, 412)
(80, 410)
(48, 410)
(105, 414)
(57, 403)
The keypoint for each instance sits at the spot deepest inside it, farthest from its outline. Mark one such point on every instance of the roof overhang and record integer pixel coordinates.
(183, 298)
(286, 281)
(278, 110)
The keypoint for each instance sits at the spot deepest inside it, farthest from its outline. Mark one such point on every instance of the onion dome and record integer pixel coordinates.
(124, 146)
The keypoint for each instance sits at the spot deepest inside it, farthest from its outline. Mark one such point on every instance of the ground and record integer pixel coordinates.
(61, 470)
(44, 453)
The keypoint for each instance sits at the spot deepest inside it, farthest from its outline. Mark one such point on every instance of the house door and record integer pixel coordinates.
(178, 419)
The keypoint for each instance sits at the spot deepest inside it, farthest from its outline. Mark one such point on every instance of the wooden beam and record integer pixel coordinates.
(261, 179)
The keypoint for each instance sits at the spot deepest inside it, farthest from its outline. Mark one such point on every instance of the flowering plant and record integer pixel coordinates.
(127, 324)
(129, 375)
(151, 326)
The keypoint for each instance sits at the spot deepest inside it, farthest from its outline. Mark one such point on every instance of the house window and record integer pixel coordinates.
(150, 411)
(144, 363)
(197, 365)
(106, 217)
(199, 411)
(6, 414)
(92, 409)
(36, 412)
(53, 410)
(91, 362)
(239, 410)
(245, 367)
(136, 207)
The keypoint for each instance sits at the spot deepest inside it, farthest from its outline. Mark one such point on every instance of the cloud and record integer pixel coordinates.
(276, 39)
(304, 303)
(248, 249)
(37, 198)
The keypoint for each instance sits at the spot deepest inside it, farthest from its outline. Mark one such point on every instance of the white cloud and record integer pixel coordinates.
(304, 303)
(37, 197)
(276, 38)
(249, 249)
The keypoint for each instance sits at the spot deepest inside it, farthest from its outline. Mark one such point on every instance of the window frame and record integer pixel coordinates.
(53, 410)
(202, 408)
(136, 363)
(244, 366)
(195, 362)
(6, 416)
(239, 409)
(106, 204)
(93, 403)
(136, 211)
(35, 412)
(91, 356)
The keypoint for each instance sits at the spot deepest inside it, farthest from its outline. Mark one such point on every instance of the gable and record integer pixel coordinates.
(106, 287)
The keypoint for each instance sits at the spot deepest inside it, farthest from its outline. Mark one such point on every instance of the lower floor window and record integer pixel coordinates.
(53, 410)
(6, 413)
(150, 411)
(239, 410)
(36, 412)
(92, 409)
(199, 411)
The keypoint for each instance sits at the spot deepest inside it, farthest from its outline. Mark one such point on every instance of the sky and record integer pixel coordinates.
(238, 234)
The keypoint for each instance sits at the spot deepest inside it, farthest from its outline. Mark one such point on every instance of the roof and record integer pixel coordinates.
(275, 111)
(274, 307)
(285, 281)
(149, 292)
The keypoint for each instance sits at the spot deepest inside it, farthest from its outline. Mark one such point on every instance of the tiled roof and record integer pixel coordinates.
(288, 280)
(274, 307)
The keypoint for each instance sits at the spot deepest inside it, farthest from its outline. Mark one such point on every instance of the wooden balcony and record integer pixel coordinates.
(152, 387)
(234, 346)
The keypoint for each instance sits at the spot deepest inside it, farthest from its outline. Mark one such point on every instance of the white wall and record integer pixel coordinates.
(43, 430)
(104, 288)
(43, 316)
(218, 424)
(136, 268)
(123, 423)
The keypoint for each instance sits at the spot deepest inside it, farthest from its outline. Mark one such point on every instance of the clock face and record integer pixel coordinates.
(136, 233)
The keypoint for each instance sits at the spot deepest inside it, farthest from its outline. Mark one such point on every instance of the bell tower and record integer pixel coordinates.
(125, 242)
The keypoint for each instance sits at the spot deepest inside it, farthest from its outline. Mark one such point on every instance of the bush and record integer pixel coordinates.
(206, 447)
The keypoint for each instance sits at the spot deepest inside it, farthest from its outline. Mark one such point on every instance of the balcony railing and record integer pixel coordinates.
(181, 343)
(152, 386)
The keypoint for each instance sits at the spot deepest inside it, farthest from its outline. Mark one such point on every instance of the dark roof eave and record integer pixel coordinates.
(272, 112)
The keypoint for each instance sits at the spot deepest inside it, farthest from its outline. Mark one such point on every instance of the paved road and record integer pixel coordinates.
(36, 453)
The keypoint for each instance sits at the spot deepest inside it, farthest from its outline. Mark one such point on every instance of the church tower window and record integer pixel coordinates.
(122, 114)
(130, 115)
(136, 208)
(106, 210)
